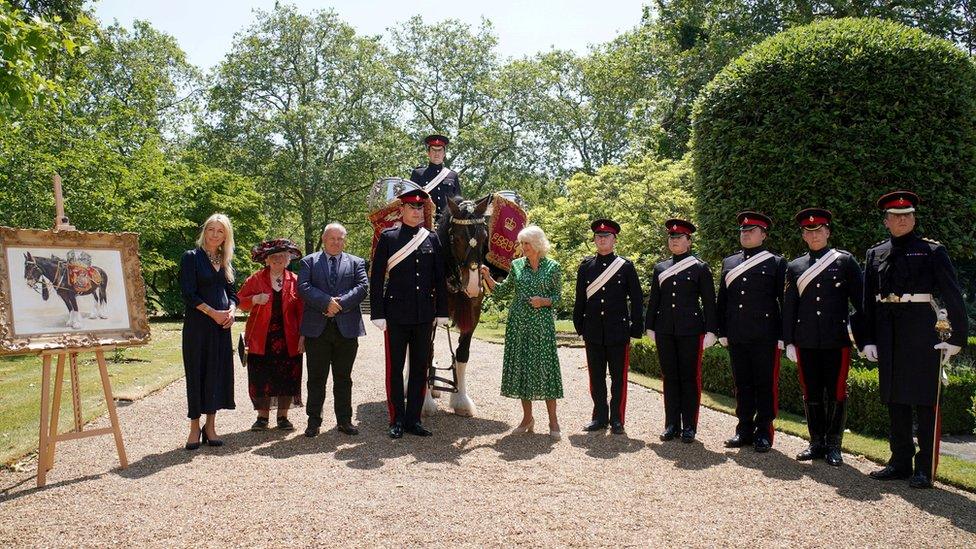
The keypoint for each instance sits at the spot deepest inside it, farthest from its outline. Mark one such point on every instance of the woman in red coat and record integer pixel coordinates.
(274, 345)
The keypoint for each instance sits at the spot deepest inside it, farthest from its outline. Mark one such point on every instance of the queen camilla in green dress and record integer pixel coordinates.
(530, 370)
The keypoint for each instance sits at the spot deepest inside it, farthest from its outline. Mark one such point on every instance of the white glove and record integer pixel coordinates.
(780, 345)
(723, 341)
(870, 352)
(709, 340)
(650, 335)
(441, 321)
(380, 323)
(791, 352)
(948, 349)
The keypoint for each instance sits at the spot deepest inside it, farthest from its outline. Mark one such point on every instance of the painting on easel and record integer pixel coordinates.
(63, 289)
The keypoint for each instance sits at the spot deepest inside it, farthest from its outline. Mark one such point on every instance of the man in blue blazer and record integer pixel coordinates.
(332, 284)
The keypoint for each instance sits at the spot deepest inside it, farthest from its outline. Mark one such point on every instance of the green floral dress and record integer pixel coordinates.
(530, 370)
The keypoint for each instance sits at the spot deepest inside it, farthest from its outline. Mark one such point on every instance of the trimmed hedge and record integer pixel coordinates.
(866, 413)
(834, 114)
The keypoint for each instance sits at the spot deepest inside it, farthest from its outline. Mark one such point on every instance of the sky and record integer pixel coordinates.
(205, 28)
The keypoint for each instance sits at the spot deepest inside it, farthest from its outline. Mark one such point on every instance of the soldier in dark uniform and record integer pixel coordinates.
(821, 286)
(607, 313)
(902, 276)
(408, 296)
(749, 324)
(681, 321)
(448, 186)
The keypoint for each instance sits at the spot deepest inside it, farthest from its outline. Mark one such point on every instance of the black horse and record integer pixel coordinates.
(463, 232)
(41, 272)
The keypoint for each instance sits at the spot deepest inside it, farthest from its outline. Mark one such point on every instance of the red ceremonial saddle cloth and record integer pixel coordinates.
(82, 278)
(507, 219)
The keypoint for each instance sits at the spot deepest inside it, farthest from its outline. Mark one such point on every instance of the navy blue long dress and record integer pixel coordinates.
(208, 353)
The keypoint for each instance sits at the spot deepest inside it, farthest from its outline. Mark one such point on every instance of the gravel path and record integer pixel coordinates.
(472, 483)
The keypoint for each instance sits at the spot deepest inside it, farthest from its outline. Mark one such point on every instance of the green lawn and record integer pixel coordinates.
(135, 372)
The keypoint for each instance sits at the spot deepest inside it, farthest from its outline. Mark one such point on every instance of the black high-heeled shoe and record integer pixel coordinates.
(195, 445)
(210, 441)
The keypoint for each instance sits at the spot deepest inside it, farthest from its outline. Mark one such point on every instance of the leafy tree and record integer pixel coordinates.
(305, 106)
(640, 196)
(33, 37)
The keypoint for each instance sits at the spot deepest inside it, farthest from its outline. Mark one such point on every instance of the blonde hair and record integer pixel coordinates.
(227, 248)
(534, 236)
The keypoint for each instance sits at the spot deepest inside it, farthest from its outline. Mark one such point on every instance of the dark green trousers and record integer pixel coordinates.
(330, 350)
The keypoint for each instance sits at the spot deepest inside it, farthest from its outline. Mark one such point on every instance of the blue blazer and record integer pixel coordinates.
(316, 293)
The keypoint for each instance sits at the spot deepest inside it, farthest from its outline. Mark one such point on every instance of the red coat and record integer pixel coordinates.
(256, 331)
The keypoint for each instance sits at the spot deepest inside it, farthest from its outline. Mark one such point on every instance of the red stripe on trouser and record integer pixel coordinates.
(623, 397)
(698, 375)
(777, 356)
(845, 365)
(589, 374)
(389, 368)
(799, 373)
(938, 438)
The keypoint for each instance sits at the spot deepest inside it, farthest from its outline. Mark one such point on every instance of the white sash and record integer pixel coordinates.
(816, 269)
(405, 251)
(745, 266)
(676, 268)
(611, 270)
(445, 171)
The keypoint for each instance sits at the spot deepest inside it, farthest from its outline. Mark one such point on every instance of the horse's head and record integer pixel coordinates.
(33, 274)
(467, 234)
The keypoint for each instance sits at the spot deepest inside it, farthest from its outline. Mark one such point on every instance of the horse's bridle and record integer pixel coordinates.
(472, 247)
(39, 281)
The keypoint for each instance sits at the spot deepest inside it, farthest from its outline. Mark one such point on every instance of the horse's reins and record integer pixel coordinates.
(477, 247)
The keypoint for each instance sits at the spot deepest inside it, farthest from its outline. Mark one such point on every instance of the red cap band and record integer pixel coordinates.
(757, 222)
(676, 228)
(413, 199)
(814, 220)
(900, 202)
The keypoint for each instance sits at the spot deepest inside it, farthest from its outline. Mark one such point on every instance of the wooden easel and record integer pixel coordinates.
(49, 437)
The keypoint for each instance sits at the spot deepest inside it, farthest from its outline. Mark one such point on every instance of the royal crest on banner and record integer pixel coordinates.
(507, 219)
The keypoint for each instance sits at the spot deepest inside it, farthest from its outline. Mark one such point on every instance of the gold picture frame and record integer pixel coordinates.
(42, 272)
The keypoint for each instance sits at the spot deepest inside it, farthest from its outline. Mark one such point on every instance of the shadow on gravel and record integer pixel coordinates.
(8, 494)
(371, 448)
(234, 443)
(692, 457)
(603, 445)
(523, 446)
(851, 483)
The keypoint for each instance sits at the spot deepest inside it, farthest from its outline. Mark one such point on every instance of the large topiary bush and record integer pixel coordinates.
(834, 114)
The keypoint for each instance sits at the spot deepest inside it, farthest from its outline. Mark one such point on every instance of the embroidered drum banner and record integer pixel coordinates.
(389, 216)
(507, 219)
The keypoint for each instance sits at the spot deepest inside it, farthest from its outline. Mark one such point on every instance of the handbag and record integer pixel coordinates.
(242, 350)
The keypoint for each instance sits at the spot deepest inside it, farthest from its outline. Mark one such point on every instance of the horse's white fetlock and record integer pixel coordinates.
(461, 403)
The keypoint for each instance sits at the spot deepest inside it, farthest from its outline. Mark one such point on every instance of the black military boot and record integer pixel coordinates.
(835, 432)
(815, 424)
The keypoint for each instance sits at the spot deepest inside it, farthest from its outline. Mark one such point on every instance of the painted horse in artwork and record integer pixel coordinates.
(463, 232)
(69, 280)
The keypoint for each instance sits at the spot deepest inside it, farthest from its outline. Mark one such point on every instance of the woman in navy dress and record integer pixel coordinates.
(207, 282)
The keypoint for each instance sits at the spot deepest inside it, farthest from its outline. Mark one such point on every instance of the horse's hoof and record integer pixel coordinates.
(462, 405)
(430, 406)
